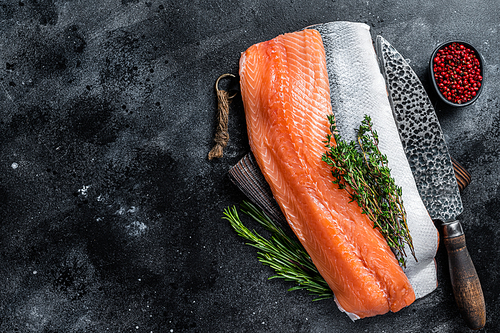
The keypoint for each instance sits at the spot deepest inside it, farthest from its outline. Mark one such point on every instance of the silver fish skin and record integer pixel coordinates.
(421, 135)
(357, 88)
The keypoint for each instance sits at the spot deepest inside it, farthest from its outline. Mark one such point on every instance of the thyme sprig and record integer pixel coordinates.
(364, 173)
(281, 252)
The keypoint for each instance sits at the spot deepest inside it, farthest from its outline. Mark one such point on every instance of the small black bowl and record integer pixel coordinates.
(433, 79)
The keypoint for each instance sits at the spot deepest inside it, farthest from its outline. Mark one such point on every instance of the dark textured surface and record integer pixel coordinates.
(110, 209)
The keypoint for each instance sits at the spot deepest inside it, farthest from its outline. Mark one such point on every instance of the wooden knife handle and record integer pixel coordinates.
(464, 280)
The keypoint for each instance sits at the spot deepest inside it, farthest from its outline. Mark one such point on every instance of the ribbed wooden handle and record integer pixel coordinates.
(465, 282)
(462, 175)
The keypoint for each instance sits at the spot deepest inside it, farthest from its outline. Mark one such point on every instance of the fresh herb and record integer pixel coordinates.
(364, 174)
(281, 252)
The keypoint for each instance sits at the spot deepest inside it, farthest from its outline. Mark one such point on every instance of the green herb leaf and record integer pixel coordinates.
(281, 252)
(361, 169)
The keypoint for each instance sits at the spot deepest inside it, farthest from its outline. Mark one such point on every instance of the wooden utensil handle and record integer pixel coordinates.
(464, 280)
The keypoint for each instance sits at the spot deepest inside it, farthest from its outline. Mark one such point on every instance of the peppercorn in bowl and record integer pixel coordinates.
(457, 71)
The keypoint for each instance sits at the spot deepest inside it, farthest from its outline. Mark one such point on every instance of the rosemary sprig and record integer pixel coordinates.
(365, 175)
(281, 252)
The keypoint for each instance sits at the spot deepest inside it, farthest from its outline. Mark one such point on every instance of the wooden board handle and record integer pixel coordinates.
(464, 280)
(463, 176)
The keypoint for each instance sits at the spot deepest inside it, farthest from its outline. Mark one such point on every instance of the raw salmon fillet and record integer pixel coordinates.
(357, 88)
(286, 95)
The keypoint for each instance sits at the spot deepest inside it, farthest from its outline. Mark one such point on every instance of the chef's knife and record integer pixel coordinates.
(432, 168)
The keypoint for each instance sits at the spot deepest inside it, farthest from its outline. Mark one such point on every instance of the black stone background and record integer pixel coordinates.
(110, 210)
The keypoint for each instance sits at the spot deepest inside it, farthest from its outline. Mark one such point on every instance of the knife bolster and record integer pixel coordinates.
(452, 229)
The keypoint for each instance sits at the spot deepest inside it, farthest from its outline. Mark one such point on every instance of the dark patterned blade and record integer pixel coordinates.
(247, 176)
(421, 135)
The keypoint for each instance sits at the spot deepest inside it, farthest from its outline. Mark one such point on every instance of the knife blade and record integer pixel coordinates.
(432, 168)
